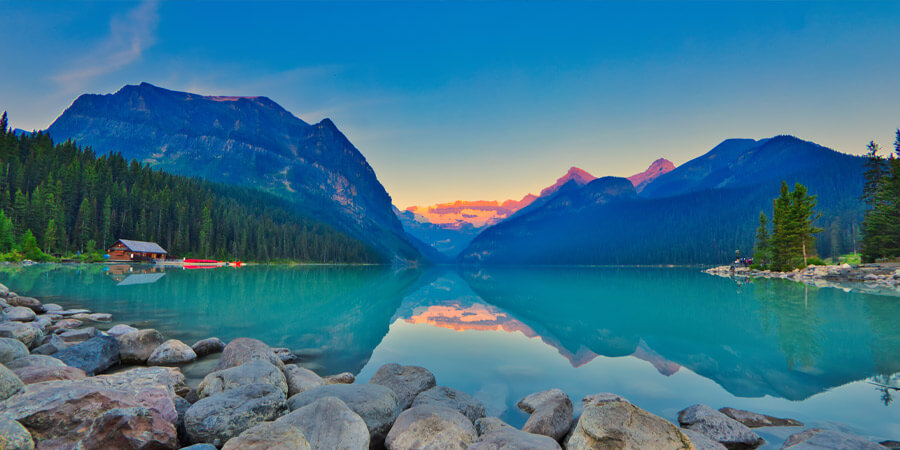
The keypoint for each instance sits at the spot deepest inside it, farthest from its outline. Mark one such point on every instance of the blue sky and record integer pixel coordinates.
(485, 100)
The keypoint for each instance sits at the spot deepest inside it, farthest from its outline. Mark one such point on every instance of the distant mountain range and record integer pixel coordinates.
(248, 141)
(450, 227)
(698, 213)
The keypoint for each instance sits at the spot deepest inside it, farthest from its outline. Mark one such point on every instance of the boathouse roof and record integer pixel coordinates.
(142, 247)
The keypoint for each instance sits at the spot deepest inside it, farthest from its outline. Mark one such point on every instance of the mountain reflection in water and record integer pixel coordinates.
(664, 338)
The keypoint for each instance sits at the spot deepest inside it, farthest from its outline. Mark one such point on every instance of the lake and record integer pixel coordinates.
(665, 338)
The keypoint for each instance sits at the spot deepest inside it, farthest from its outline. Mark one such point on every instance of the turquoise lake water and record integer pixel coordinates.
(664, 338)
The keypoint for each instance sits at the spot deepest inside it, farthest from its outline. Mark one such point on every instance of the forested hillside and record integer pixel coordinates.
(72, 200)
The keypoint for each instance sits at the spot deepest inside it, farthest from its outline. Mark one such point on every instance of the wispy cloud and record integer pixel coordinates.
(130, 35)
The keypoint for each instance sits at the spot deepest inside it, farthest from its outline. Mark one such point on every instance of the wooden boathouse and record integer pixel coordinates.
(137, 251)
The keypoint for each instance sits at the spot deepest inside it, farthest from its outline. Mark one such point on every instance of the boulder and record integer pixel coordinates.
(26, 333)
(300, 379)
(51, 345)
(253, 372)
(10, 384)
(431, 427)
(327, 421)
(451, 398)
(551, 413)
(208, 346)
(200, 447)
(20, 314)
(11, 349)
(719, 427)
(602, 397)
(818, 438)
(13, 436)
(623, 426)
(220, 417)
(4, 291)
(120, 330)
(93, 356)
(72, 312)
(243, 350)
(181, 407)
(406, 381)
(26, 302)
(170, 353)
(269, 436)
(79, 335)
(39, 373)
(137, 346)
(130, 428)
(284, 354)
(66, 324)
(376, 405)
(494, 434)
(341, 378)
(755, 420)
(59, 414)
(99, 317)
(702, 441)
(52, 308)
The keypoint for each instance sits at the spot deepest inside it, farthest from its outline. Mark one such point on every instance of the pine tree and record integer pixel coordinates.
(802, 216)
(106, 222)
(761, 249)
(7, 233)
(50, 236)
(781, 241)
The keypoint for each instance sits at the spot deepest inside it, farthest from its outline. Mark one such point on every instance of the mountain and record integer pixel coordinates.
(247, 141)
(659, 167)
(698, 213)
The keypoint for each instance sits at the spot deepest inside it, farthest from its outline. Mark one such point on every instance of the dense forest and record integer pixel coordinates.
(881, 228)
(65, 199)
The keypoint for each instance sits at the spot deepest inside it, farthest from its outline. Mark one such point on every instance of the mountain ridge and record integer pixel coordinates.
(247, 141)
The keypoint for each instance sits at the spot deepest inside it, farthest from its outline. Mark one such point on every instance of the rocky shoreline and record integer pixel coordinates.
(870, 278)
(65, 384)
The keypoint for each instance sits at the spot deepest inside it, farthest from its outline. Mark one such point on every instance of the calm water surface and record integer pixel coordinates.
(663, 338)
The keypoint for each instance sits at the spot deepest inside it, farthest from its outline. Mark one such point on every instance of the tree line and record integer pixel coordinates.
(881, 194)
(61, 199)
(791, 243)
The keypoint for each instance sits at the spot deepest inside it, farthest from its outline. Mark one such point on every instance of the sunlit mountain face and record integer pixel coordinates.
(449, 227)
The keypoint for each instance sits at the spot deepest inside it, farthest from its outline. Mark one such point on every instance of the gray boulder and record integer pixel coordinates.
(623, 426)
(26, 333)
(218, 418)
(269, 436)
(93, 356)
(301, 379)
(66, 324)
(26, 302)
(10, 384)
(341, 378)
(13, 436)
(328, 423)
(61, 414)
(702, 441)
(719, 427)
(208, 346)
(376, 405)
(4, 291)
(119, 330)
(20, 314)
(406, 381)
(494, 434)
(52, 308)
(755, 420)
(171, 352)
(79, 335)
(51, 345)
(602, 397)
(243, 350)
(11, 349)
(451, 398)
(34, 360)
(431, 427)
(818, 438)
(551, 413)
(137, 346)
(253, 372)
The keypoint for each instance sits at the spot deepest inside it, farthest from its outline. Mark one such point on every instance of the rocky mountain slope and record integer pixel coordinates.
(248, 141)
